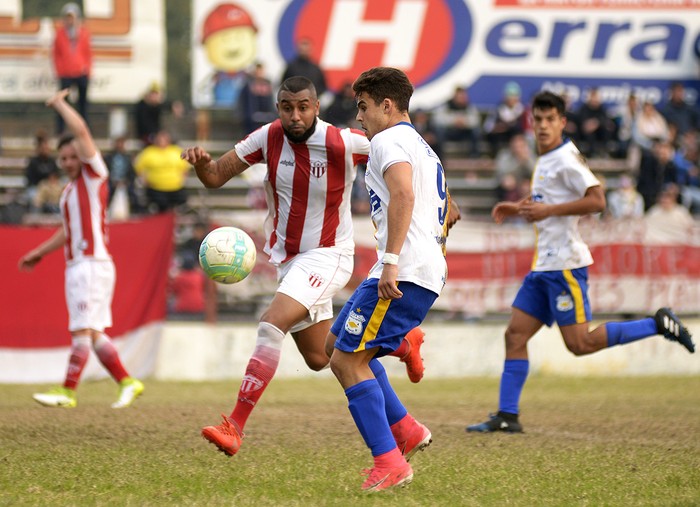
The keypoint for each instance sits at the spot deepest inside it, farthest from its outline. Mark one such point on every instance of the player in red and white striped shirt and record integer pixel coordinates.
(310, 172)
(90, 274)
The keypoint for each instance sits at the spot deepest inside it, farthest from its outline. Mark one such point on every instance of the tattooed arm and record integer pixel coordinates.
(214, 173)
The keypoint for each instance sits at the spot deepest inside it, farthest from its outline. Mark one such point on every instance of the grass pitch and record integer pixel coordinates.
(588, 441)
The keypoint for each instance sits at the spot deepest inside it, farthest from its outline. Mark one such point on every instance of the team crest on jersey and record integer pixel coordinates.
(318, 168)
(315, 280)
(564, 302)
(354, 323)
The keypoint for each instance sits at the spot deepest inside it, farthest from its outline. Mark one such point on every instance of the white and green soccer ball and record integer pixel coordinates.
(227, 255)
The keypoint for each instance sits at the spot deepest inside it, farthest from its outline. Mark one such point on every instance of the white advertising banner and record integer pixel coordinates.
(619, 46)
(128, 43)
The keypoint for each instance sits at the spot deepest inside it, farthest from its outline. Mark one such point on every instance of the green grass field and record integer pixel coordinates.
(588, 441)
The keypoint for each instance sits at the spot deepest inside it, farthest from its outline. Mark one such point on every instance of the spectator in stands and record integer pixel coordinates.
(625, 202)
(422, 121)
(571, 115)
(678, 112)
(189, 249)
(669, 222)
(507, 120)
(40, 165)
(187, 288)
(687, 160)
(458, 120)
(257, 100)
(650, 125)
(163, 173)
(517, 159)
(656, 169)
(147, 114)
(13, 211)
(303, 65)
(595, 127)
(48, 194)
(625, 118)
(508, 189)
(122, 173)
(342, 110)
(514, 164)
(72, 57)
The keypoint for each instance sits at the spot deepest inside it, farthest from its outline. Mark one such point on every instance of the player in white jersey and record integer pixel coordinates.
(90, 274)
(410, 208)
(556, 289)
(309, 238)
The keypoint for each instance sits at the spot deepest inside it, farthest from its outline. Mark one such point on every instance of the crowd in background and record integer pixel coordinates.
(660, 143)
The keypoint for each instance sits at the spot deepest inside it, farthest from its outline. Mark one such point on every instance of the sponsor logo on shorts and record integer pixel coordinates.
(564, 302)
(315, 280)
(354, 323)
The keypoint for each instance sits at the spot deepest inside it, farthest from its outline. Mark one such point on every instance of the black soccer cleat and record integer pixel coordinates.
(673, 329)
(497, 422)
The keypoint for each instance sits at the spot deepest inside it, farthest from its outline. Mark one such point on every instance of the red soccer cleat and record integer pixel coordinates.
(411, 436)
(226, 436)
(412, 359)
(380, 479)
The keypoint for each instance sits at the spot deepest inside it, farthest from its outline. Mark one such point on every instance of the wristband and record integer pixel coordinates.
(390, 258)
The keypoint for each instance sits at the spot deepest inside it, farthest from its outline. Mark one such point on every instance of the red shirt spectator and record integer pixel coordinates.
(188, 290)
(72, 57)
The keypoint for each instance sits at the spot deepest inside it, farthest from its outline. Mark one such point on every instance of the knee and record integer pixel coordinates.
(515, 340)
(329, 348)
(316, 362)
(580, 346)
(335, 365)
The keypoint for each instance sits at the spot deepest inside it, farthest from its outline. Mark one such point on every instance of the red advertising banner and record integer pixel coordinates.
(33, 311)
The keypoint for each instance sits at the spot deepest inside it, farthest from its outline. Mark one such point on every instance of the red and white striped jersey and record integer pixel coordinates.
(83, 207)
(308, 186)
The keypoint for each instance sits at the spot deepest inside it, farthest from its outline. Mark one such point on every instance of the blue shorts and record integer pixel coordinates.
(366, 322)
(560, 296)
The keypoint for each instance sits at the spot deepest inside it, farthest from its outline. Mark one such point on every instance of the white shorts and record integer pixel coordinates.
(89, 292)
(312, 278)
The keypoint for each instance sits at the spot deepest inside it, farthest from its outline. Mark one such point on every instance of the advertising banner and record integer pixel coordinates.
(34, 337)
(128, 44)
(619, 46)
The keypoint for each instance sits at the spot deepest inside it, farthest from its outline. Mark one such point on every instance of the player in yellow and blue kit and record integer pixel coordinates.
(410, 211)
(556, 289)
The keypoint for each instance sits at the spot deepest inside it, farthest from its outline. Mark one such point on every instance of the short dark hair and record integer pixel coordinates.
(549, 100)
(296, 84)
(66, 139)
(385, 83)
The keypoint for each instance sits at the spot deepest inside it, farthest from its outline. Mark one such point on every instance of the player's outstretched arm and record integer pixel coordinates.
(85, 145)
(214, 173)
(31, 258)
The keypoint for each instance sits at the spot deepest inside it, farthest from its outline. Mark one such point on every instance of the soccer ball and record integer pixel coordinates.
(227, 255)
